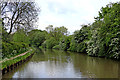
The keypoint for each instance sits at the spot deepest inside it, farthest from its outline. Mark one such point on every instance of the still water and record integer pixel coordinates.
(65, 64)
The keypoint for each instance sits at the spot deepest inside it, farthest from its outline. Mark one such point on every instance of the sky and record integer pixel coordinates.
(69, 13)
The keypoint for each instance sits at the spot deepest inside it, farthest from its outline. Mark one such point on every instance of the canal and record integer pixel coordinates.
(65, 64)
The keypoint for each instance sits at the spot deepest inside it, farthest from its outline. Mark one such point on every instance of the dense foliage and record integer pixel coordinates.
(64, 43)
(37, 37)
(101, 38)
(13, 44)
(53, 36)
(20, 36)
(105, 39)
(13, 48)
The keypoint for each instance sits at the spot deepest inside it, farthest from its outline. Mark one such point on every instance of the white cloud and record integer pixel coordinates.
(69, 13)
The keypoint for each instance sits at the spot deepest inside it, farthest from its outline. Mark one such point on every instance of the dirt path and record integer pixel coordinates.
(16, 56)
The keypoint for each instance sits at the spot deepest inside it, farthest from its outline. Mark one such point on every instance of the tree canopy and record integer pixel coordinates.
(19, 15)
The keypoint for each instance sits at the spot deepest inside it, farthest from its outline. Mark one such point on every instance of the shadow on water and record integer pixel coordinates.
(47, 63)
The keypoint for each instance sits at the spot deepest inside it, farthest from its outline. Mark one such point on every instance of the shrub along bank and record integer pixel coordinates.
(12, 49)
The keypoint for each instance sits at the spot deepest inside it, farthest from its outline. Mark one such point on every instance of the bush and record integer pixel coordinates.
(44, 44)
(73, 45)
(13, 48)
(114, 50)
(82, 47)
(65, 42)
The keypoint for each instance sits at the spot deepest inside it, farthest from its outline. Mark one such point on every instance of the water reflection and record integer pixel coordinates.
(96, 67)
(65, 64)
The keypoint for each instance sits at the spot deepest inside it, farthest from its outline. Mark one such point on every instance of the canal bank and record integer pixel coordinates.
(12, 63)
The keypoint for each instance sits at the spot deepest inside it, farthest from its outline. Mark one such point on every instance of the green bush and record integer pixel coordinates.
(81, 47)
(73, 45)
(13, 48)
(114, 50)
(44, 44)
(65, 42)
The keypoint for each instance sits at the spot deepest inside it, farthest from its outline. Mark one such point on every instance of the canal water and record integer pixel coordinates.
(65, 64)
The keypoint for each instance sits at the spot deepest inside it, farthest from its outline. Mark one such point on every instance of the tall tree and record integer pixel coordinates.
(56, 32)
(37, 37)
(22, 14)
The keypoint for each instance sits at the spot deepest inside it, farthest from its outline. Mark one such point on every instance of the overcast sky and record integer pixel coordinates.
(69, 13)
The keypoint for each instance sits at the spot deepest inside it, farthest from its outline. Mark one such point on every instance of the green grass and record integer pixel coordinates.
(13, 61)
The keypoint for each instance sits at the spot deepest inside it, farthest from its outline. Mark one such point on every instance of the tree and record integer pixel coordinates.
(64, 43)
(50, 43)
(20, 36)
(105, 39)
(56, 32)
(37, 37)
(22, 14)
(80, 38)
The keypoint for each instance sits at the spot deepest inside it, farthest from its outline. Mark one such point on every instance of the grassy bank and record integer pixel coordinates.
(10, 62)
